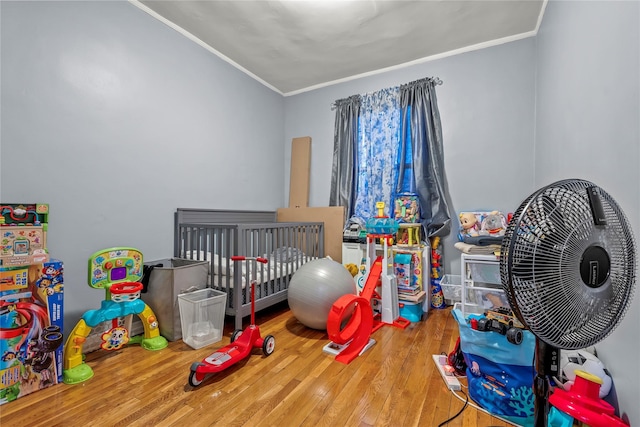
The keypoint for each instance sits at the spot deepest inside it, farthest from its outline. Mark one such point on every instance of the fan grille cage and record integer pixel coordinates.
(540, 261)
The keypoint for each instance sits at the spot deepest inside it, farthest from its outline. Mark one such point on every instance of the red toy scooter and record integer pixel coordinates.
(242, 342)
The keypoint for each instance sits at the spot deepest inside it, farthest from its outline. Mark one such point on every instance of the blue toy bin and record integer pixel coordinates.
(412, 311)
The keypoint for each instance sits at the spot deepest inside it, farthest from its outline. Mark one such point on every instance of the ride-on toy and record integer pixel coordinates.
(242, 341)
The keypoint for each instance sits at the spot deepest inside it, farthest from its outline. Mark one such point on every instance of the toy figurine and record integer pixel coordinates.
(469, 226)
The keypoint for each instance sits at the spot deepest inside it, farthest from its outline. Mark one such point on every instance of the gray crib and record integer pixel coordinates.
(217, 235)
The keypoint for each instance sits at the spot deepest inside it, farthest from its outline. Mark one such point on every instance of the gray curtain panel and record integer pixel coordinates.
(427, 149)
(345, 155)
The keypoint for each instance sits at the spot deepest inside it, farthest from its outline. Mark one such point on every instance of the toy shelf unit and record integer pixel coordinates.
(480, 285)
(355, 253)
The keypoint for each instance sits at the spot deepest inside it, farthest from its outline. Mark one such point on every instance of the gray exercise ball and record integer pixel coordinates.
(313, 289)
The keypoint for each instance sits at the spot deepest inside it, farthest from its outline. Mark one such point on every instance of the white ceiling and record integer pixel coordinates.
(294, 46)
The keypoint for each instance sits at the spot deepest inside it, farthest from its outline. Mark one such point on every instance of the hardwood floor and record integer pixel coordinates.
(395, 383)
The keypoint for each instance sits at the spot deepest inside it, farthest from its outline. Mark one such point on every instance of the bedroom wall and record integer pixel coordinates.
(486, 106)
(116, 120)
(588, 105)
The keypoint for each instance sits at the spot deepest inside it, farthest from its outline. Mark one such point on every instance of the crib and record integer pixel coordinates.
(217, 235)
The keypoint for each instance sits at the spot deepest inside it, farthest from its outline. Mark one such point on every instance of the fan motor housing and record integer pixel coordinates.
(595, 266)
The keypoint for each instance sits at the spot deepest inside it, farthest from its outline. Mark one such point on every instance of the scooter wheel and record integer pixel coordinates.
(236, 334)
(268, 345)
(194, 381)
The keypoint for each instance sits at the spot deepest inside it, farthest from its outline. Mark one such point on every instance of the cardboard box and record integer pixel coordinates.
(300, 172)
(333, 218)
(31, 321)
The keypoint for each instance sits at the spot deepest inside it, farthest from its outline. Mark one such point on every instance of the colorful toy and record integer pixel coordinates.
(30, 328)
(481, 226)
(585, 360)
(352, 269)
(502, 321)
(383, 228)
(493, 224)
(407, 208)
(117, 271)
(24, 234)
(437, 295)
(469, 225)
(403, 270)
(242, 342)
(357, 312)
(408, 235)
(409, 276)
(582, 404)
(411, 291)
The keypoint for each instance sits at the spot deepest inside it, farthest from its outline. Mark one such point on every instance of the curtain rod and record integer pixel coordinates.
(436, 81)
(352, 98)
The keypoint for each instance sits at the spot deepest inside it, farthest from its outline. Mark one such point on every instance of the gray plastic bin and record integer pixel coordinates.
(176, 276)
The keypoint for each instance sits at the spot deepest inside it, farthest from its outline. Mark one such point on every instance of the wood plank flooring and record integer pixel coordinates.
(395, 383)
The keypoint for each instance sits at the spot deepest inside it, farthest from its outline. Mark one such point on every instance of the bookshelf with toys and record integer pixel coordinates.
(411, 258)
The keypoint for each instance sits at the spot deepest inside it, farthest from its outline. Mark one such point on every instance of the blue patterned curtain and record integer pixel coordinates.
(388, 142)
(379, 129)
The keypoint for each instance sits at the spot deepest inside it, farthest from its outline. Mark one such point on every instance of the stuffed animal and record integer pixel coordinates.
(353, 269)
(494, 224)
(469, 226)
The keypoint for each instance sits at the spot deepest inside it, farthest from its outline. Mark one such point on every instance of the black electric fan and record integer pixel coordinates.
(567, 265)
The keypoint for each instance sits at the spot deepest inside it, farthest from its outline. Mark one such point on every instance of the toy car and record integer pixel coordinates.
(502, 320)
(40, 349)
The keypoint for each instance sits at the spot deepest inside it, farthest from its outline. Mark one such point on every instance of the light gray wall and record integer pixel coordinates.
(116, 120)
(588, 126)
(486, 105)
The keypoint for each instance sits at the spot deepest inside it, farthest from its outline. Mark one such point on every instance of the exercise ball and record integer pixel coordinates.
(313, 289)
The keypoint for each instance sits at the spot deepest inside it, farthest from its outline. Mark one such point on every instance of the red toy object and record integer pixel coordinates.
(358, 327)
(242, 341)
(582, 402)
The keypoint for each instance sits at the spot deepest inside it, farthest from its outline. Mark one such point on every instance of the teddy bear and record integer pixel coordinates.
(469, 226)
